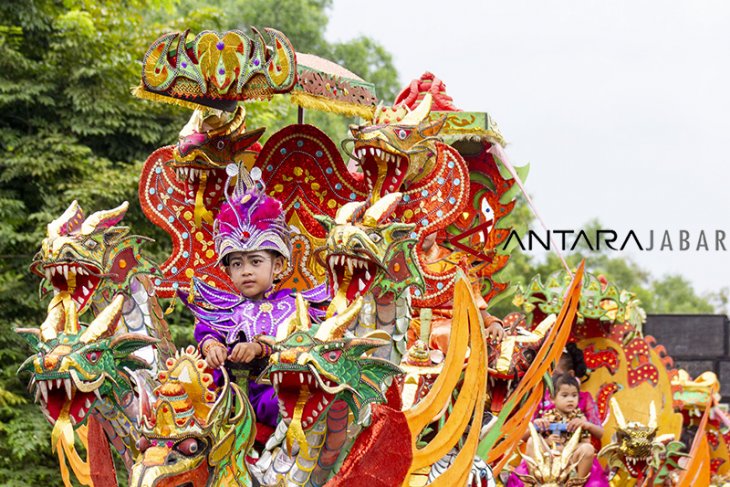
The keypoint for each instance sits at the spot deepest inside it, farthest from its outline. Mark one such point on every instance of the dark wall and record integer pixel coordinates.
(697, 343)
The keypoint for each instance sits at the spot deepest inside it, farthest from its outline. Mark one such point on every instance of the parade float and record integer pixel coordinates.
(383, 367)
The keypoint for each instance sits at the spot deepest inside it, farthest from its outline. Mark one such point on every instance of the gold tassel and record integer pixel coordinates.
(322, 104)
(141, 92)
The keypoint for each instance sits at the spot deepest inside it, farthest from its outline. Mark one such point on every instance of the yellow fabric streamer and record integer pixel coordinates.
(322, 104)
(62, 442)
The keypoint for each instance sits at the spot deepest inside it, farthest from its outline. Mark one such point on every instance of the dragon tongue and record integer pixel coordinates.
(296, 431)
(340, 301)
(63, 429)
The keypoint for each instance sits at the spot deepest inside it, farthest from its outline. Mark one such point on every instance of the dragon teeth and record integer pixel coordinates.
(65, 271)
(43, 386)
(87, 404)
(68, 387)
(84, 290)
(367, 275)
(98, 395)
(379, 153)
(301, 377)
(397, 171)
(48, 274)
(360, 285)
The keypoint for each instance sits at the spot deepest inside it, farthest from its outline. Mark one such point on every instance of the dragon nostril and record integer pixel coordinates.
(171, 459)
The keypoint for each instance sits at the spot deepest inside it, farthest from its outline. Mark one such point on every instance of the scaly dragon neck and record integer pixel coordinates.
(326, 442)
(390, 316)
(118, 422)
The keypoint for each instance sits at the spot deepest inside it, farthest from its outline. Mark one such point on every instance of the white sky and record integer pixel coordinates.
(620, 107)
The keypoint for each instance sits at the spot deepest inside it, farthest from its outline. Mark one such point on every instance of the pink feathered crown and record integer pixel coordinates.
(251, 220)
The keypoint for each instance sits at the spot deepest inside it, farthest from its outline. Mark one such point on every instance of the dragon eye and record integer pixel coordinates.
(188, 447)
(333, 355)
(403, 133)
(375, 237)
(220, 145)
(93, 356)
(91, 243)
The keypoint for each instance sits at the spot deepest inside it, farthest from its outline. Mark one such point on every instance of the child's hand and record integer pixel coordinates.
(542, 424)
(216, 356)
(576, 423)
(495, 332)
(245, 352)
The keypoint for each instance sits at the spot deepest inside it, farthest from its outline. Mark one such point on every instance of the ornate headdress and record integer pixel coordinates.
(250, 220)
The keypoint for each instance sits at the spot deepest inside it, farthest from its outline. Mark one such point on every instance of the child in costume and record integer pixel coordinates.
(566, 413)
(252, 241)
(583, 413)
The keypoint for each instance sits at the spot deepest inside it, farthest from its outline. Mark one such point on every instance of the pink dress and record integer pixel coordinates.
(587, 405)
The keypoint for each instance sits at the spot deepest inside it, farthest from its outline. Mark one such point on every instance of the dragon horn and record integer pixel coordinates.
(537, 448)
(104, 219)
(334, 328)
(66, 223)
(381, 209)
(419, 113)
(299, 320)
(53, 322)
(620, 421)
(567, 456)
(652, 415)
(349, 212)
(105, 322)
(302, 313)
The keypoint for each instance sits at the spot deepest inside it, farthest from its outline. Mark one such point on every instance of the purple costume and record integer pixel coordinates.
(231, 319)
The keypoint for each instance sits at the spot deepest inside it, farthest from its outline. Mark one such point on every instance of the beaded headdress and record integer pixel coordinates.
(250, 220)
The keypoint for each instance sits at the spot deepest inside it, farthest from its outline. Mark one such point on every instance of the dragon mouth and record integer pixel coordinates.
(353, 275)
(303, 395)
(80, 280)
(384, 170)
(60, 395)
(200, 180)
(635, 465)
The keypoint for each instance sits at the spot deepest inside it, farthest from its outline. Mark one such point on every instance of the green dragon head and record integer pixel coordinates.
(89, 258)
(192, 435)
(74, 367)
(315, 365)
(369, 252)
(398, 147)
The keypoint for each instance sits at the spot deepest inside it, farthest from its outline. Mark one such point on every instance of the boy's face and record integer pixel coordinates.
(566, 398)
(253, 272)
